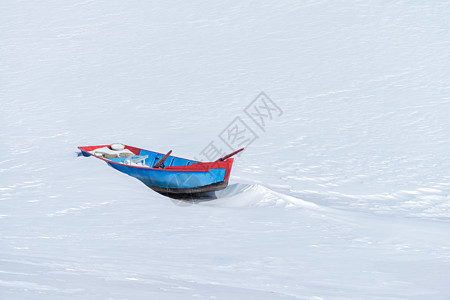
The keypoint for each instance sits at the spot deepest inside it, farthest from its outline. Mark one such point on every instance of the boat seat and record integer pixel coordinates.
(134, 160)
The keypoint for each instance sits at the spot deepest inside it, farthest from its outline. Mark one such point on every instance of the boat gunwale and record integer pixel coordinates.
(179, 168)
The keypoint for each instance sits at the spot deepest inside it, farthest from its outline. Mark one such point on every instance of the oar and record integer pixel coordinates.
(162, 160)
(230, 155)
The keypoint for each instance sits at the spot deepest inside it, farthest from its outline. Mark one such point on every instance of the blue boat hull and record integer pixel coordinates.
(180, 176)
(175, 181)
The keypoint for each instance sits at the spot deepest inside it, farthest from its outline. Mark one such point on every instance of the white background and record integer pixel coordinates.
(345, 196)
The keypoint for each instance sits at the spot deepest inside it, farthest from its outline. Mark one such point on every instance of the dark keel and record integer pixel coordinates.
(202, 192)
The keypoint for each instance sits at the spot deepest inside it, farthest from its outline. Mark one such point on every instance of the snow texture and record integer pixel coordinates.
(345, 195)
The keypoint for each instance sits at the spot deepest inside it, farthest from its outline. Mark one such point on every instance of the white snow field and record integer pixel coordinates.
(345, 195)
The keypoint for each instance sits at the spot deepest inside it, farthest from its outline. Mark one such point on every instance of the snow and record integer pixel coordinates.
(343, 196)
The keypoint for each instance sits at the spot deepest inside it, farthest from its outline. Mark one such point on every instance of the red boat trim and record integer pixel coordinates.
(195, 167)
(131, 148)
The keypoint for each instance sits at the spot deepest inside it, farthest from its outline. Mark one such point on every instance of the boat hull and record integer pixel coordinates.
(207, 191)
(181, 178)
(177, 181)
(201, 189)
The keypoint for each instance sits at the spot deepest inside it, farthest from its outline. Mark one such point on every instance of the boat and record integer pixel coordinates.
(169, 175)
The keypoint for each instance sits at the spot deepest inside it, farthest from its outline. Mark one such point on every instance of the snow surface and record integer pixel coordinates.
(344, 196)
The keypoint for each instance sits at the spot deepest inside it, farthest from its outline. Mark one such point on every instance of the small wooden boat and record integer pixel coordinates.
(169, 175)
